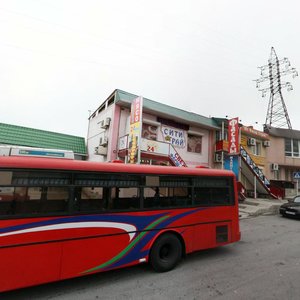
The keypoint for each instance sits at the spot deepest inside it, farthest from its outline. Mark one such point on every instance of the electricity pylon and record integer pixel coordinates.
(277, 115)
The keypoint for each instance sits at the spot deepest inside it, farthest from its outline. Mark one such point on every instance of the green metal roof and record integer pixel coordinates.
(24, 136)
(172, 112)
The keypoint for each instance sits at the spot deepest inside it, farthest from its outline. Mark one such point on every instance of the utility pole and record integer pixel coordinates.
(277, 115)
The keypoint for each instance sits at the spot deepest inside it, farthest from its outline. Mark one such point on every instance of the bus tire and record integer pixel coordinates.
(165, 253)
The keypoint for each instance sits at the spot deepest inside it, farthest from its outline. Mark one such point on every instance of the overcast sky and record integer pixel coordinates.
(61, 58)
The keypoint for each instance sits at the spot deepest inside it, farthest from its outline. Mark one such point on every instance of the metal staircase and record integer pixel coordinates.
(250, 170)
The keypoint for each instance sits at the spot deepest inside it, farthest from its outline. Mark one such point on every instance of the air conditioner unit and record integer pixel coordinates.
(105, 123)
(266, 143)
(101, 150)
(218, 157)
(251, 142)
(274, 167)
(101, 123)
(103, 141)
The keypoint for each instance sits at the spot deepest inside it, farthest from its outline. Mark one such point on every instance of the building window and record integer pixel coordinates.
(194, 143)
(219, 135)
(110, 101)
(101, 108)
(257, 149)
(288, 147)
(292, 147)
(296, 148)
(149, 132)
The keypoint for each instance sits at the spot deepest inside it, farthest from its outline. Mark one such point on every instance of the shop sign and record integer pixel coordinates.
(233, 135)
(254, 132)
(154, 147)
(231, 162)
(176, 158)
(173, 136)
(136, 110)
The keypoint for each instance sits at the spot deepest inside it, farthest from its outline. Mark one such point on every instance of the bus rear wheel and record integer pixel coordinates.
(166, 253)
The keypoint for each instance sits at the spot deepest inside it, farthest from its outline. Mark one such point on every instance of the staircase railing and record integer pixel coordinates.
(247, 158)
(159, 148)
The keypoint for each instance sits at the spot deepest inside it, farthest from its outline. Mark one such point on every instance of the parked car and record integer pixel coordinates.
(292, 208)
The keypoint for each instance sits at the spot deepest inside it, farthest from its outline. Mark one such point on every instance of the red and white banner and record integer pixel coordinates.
(136, 110)
(233, 136)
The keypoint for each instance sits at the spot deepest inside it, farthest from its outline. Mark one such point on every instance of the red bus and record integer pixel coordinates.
(65, 218)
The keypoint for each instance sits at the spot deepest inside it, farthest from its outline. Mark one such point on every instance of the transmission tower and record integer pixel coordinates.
(277, 115)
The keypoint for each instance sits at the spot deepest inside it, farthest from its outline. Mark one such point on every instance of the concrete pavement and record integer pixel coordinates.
(253, 207)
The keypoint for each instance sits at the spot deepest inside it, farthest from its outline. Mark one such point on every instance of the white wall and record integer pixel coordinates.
(95, 132)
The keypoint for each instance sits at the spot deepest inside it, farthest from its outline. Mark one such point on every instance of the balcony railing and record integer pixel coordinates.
(156, 148)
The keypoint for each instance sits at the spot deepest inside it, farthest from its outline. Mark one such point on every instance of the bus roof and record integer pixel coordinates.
(10, 162)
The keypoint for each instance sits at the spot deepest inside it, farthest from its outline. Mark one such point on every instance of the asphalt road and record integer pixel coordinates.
(265, 264)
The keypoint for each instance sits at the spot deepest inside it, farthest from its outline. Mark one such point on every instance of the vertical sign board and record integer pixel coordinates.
(134, 151)
(231, 161)
(233, 136)
(297, 179)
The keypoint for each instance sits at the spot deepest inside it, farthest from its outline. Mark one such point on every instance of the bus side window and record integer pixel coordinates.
(7, 201)
(181, 196)
(33, 200)
(44, 200)
(56, 199)
(126, 198)
(202, 196)
(212, 196)
(15, 200)
(221, 196)
(151, 197)
(156, 197)
(90, 199)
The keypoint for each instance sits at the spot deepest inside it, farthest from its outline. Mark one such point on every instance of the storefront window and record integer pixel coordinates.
(149, 132)
(194, 144)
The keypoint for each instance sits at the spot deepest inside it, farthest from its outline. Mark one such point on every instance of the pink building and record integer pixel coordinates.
(283, 158)
(169, 135)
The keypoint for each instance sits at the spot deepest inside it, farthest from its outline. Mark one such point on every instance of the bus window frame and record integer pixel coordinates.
(71, 202)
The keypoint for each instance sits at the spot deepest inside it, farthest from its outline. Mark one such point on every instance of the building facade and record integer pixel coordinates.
(169, 136)
(249, 161)
(283, 158)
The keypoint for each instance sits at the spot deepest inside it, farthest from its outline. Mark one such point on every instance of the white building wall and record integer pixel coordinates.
(124, 122)
(95, 132)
